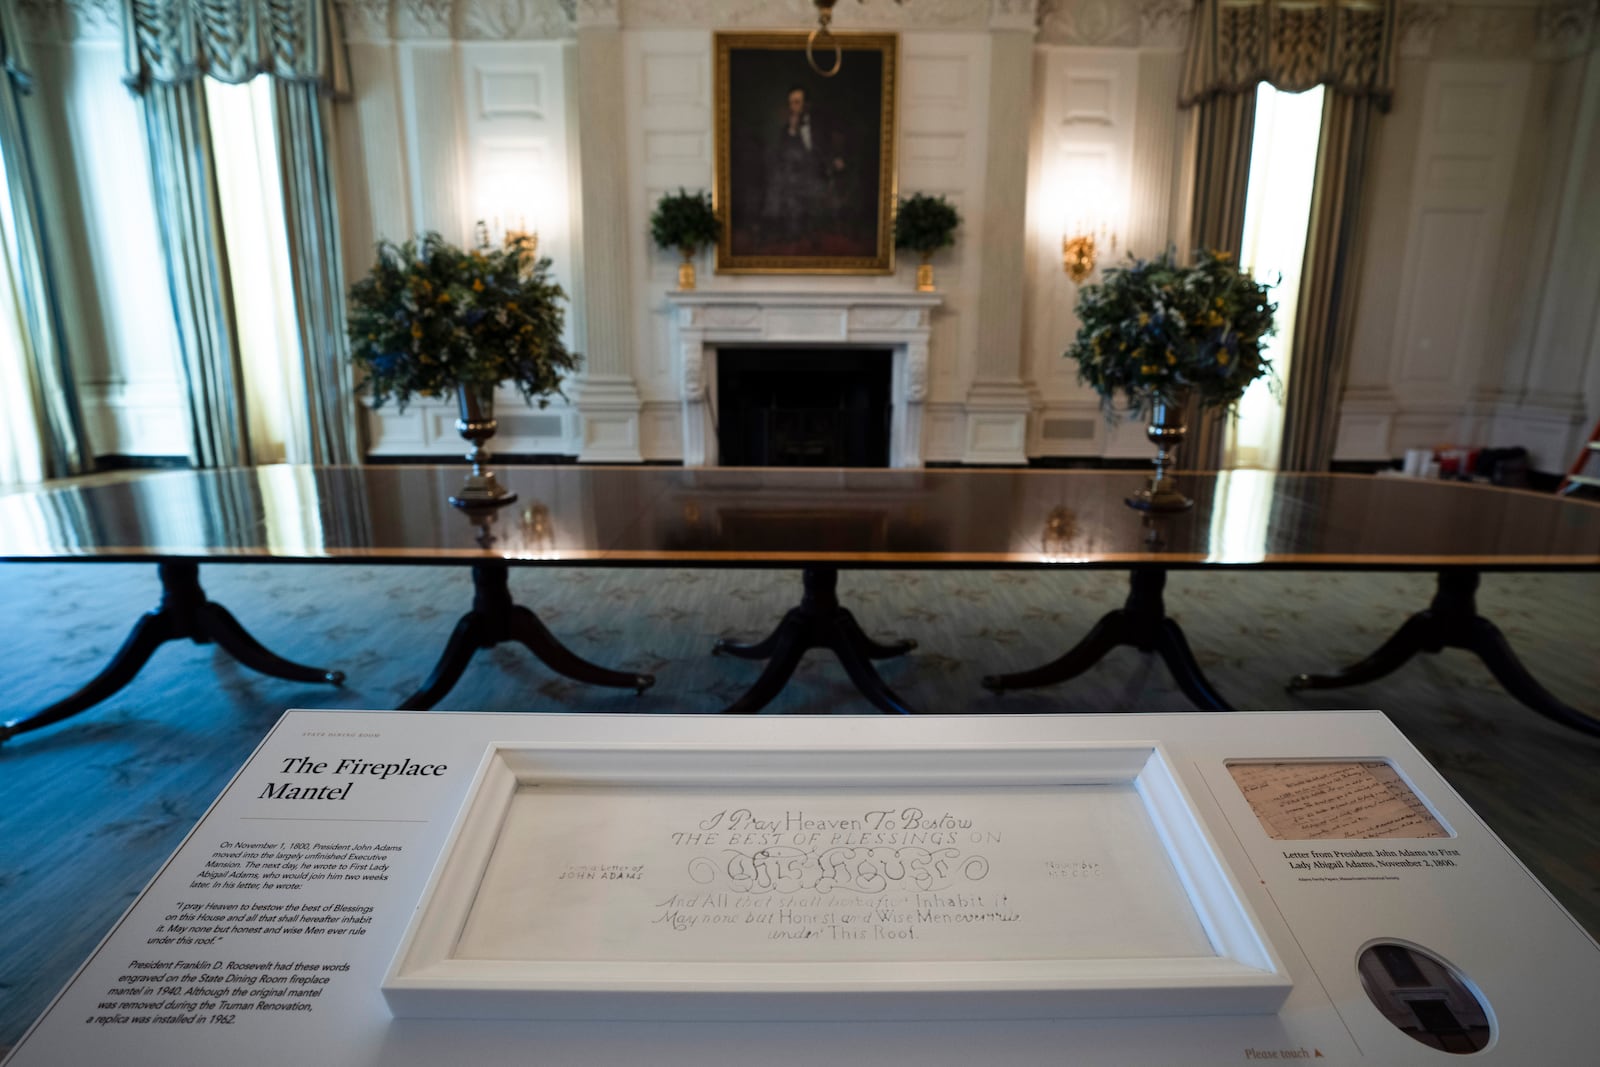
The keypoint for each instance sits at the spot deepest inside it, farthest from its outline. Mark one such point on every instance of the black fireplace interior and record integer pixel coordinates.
(793, 407)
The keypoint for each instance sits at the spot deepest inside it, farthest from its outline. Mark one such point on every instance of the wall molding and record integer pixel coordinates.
(1430, 29)
(1568, 28)
(802, 14)
(369, 21)
(1154, 24)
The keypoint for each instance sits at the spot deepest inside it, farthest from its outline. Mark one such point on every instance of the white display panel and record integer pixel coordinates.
(267, 937)
(1027, 882)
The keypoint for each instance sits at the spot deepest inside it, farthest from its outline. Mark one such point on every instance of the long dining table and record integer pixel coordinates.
(815, 522)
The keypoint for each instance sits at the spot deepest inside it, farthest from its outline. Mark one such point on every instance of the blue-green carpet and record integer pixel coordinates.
(91, 807)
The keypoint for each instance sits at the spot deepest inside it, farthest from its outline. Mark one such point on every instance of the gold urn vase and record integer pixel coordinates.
(686, 269)
(476, 423)
(1166, 431)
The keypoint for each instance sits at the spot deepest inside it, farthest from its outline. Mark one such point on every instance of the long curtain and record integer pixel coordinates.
(41, 411)
(1348, 45)
(189, 217)
(169, 47)
(315, 259)
(1224, 123)
(1326, 316)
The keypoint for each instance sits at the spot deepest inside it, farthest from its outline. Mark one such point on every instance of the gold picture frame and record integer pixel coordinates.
(805, 165)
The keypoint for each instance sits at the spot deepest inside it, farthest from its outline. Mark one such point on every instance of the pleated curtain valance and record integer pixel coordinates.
(175, 41)
(1347, 45)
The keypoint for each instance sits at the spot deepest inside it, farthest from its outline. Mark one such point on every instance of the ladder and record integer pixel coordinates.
(1574, 477)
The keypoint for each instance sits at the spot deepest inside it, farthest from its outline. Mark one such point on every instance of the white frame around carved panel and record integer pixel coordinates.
(428, 978)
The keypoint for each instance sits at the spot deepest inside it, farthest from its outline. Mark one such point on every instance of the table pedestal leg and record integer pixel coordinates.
(494, 618)
(184, 612)
(819, 622)
(1141, 622)
(1452, 621)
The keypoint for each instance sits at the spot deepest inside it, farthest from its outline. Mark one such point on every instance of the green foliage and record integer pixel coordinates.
(1155, 329)
(429, 317)
(925, 224)
(685, 221)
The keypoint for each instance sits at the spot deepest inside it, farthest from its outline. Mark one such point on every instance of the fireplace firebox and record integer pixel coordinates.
(803, 407)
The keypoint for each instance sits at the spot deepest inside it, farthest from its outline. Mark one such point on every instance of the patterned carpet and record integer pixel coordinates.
(92, 806)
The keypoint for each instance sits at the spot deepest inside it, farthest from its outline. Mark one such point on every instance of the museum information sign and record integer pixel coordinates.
(643, 873)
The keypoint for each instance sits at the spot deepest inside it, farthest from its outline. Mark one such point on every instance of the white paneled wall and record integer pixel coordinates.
(1445, 275)
(1450, 277)
(1479, 307)
(668, 97)
(944, 101)
(667, 103)
(480, 132)
(1088, 117)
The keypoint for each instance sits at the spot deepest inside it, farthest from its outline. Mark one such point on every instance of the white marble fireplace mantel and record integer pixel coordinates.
(707, 318)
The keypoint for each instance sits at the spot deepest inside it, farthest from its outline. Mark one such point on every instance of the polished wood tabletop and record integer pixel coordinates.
(786, 517)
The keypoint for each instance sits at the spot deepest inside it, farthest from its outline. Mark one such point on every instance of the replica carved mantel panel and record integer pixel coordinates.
(901, 322)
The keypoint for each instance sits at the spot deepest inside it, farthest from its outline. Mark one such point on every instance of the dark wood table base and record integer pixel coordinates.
(818, 622)
(494, 618)
(184, 612)
(1141, 622)
(1452, 621)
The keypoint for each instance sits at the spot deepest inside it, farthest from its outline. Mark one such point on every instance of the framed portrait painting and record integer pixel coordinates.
(805, 179)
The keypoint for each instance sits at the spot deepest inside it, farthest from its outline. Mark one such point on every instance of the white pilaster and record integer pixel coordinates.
(605, 395)
(999, 402)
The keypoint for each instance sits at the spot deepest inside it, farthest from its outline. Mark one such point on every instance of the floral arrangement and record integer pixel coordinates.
(430, 317)
(1155, 329)
(685, 221)
(925, 224)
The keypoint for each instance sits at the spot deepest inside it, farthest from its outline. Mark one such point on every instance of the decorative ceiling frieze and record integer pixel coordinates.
(515, 20)
(1490, 32)
(1102, 23)
(598, 14)
(427, 19)
(1429, 29)
(1013, 15)
(1568, 29)
(1156, 24)
(99, 19)
(802, 14)
(1419, 25)
(1165, 23)
(366, 20)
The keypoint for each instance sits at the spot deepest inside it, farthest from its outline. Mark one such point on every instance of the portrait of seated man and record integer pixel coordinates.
(804, 159)
(805, 177)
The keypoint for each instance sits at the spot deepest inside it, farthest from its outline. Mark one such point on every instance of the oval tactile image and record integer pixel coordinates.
(1424, 997)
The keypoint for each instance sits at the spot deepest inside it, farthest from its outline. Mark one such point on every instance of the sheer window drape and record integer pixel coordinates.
(170, 46)
(1348, 46)
(42, 435)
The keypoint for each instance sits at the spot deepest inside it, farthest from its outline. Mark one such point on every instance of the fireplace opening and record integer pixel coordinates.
(812, 407)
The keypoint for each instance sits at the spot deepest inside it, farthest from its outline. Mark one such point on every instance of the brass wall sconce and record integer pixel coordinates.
(1078, 254)
(486, 231)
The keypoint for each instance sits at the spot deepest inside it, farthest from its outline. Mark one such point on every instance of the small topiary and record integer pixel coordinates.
(685, 221)
(925, 224)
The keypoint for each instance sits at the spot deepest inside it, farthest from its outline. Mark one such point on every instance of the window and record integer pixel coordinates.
(1283, 166)
(21, 457)
(256, 234)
